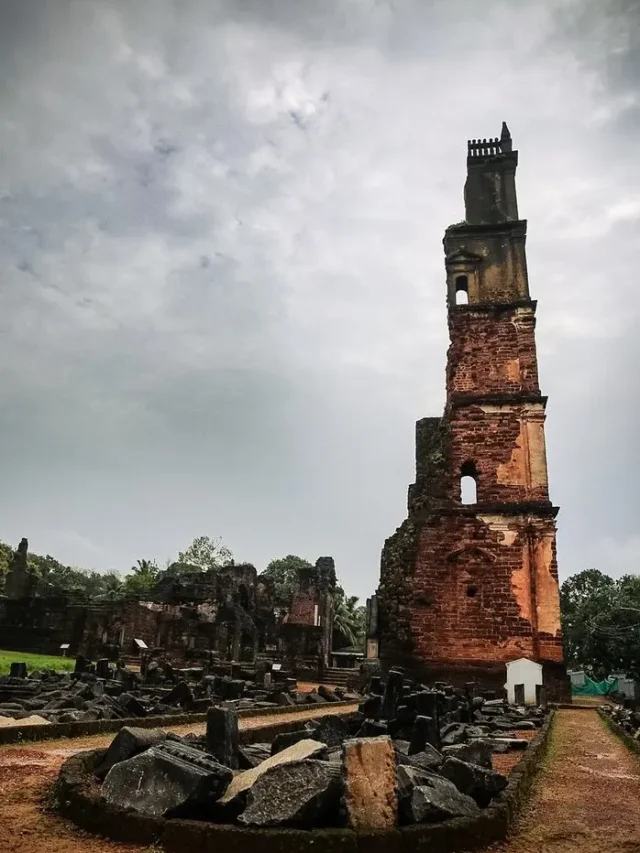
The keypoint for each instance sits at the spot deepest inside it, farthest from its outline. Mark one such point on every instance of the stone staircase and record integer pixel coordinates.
(337, 676)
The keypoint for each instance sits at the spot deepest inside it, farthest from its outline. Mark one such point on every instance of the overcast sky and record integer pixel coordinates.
(222, 297)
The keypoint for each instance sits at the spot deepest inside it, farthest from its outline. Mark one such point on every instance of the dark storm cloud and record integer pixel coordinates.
(222, 302)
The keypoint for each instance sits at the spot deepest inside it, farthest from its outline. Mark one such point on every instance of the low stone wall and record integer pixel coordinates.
(625, 737)
(55, 731)
(76, 795)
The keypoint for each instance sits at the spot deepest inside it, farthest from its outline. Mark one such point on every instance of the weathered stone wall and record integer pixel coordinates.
(501, 275)
(114, 626)
(229, 612)
(307, 630)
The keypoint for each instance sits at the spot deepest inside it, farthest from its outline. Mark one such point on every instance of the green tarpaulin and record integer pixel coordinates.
(595, 688)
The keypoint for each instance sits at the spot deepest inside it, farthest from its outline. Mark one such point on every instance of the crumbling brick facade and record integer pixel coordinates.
(467, 586)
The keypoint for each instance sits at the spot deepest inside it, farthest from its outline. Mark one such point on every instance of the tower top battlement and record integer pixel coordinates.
(480, 148)
(490, 190)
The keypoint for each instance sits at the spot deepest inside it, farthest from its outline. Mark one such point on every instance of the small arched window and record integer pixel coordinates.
(462, 290)
(468, 483)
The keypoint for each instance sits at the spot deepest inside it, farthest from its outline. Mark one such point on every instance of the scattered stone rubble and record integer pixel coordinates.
(102, 691)
(409, 755)
(626, 716)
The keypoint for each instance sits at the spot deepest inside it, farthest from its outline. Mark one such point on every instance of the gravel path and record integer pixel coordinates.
(587, 797)
(27, 772)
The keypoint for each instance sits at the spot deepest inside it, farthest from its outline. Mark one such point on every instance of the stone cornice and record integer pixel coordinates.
(494, 307)
(514, 227)
(543, 509)
(459, 399)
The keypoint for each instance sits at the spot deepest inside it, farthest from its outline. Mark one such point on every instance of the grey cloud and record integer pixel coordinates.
(222, 304)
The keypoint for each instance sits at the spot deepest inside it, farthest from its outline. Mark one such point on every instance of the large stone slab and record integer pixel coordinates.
(181, 694)
(297, 752)
(475, 781)
(425, 797)
(429, 804)
(252, 754)
(128, 742)
(370, 784)
(476, 751)
(453, 733)
(132, 706)
(327, 693)
(286, 739)
(168, 779)
(303, 793)
(427, 759)
(332, 730)
(371, 706)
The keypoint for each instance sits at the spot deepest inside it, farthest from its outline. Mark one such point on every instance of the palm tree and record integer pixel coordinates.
(348, 618)
(142, 577)
(145, 567)
(112, 588)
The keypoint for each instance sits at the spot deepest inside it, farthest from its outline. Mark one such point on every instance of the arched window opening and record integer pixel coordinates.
(462, 290)
(472, 591)
(468, 483)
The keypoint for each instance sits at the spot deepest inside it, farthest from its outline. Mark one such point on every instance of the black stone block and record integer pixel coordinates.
(222, 735)
(477, 782)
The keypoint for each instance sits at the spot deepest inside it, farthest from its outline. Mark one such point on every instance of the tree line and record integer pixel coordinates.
(601, 622)
(203, 554)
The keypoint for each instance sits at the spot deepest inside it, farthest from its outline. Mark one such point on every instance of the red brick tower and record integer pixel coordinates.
(469, 581)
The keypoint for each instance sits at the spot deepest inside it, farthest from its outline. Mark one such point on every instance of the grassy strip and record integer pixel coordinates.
(34, 661)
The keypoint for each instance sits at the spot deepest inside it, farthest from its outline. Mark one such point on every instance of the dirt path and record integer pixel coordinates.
(27, 772)
(587, 797)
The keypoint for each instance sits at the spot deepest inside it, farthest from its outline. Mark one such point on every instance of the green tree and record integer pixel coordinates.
(203, 554)
(348, 620)
(283, 573)
(112, 587)
(6, 552)
(58, 579)
(601, 621)
(142, 578)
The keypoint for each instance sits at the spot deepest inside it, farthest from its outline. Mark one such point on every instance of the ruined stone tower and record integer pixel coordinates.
(469, 581)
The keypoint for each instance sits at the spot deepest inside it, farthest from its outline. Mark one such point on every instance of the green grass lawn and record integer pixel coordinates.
(35, 661)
